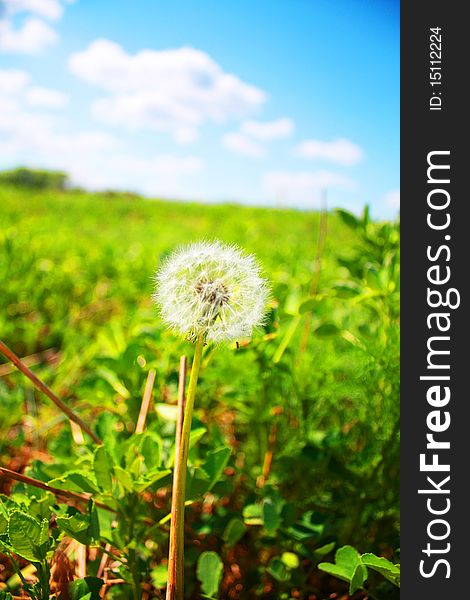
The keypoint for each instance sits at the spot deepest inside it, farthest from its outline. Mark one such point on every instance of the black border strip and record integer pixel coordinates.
(423, 131)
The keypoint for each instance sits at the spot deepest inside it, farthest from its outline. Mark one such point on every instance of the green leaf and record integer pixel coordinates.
(292, 302)
(106, 427)
(124, 478)
(383, 566)
(114, 382)
(197, 483)
(253, 514)
(215, 463)
(76, 527)
(307, 305)
(3, 523)
(4, 501)
(348, 218)
(28, 536)
(278, 569)
(94, 529)
(105, 523)
(75, 481)
(326, 329)
(5, 595)
(347, 290)
(290, 559)
(80, 527)
(271, 517)
(40, 508)
(86, 589)
(196, 435)
(209, 572)
(288, 513)
(366, 216)
(151, 449)
(286, 339)
(134, 467)
(44, 533)
(305, 528)
(348, 567)
(358, 579)
(150, 478)
(234, 531)
(324, 550)
(102, 465)
(159, 575)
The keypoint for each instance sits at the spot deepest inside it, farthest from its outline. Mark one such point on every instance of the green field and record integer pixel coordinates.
(295, 436)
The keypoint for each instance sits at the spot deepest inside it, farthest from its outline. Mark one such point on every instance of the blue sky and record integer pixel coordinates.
(266, 102)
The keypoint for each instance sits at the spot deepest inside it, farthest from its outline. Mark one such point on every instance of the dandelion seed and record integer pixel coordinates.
(211, 289)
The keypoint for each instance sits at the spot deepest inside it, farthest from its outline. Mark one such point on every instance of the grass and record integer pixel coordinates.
(76, 278)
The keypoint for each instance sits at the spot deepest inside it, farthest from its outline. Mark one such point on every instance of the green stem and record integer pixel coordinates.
(43, 574)
(135, 574)
(44, 579)
(175, 587)
(18, 571)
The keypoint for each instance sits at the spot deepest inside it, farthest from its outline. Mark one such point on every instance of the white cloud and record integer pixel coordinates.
(302, 188)
(29, 133)
(30, 38)
(12, 81)
(237, 142)
(341, 151)
(158, 175)
(167, 165)
(392, 199)
(185, 135)
(164, 90)
(94, 159)
(46, 98)
(268, 130)
(253, 135)
(15, 87)
(49, 9)
(23, 26)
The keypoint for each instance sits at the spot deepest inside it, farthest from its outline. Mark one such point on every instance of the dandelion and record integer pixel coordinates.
(207, 292)
(211, 289)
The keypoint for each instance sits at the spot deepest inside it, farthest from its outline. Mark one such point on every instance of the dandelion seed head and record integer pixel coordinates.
(211, 289)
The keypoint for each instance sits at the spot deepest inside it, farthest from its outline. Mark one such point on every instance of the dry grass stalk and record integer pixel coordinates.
(50, 356)
(80, 555)
(68, 497)
(268, 457)
(62, 573)
(47, 391)
(147, 396)
(77, 434)
(103, 561)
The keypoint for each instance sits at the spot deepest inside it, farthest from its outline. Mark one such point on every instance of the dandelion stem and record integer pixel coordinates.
(181, 404)
(175, 587)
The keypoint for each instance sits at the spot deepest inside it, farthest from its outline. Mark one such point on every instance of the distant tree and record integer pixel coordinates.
(35, 178)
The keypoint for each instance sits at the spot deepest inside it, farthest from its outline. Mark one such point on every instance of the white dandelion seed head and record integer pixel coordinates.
(211, 289)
